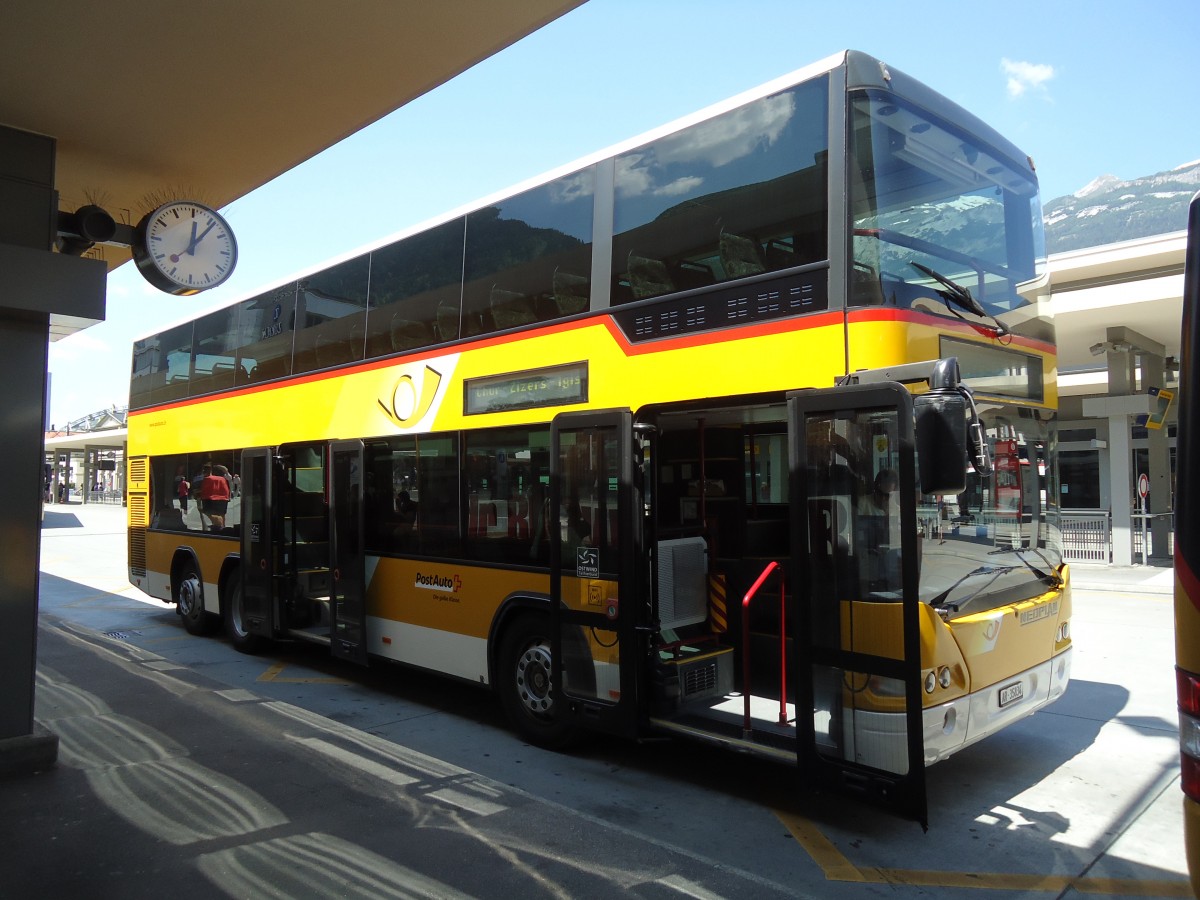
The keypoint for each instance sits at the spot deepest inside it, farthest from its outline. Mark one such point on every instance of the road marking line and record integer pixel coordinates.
(272, 674)
(366, 766)
(465, 801)
(832, 861)
(837, 867)
(688, 888)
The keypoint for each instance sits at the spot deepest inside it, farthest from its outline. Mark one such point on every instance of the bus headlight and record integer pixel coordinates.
(931, 681)
(944, 677)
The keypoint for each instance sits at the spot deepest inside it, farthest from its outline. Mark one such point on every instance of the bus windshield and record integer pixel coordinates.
(928, 200)
(1000, 541)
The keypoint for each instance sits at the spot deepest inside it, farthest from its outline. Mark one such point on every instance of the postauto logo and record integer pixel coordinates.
(412, 395)
(446, 584)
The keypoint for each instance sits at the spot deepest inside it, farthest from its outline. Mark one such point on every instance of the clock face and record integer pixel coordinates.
(184, 247)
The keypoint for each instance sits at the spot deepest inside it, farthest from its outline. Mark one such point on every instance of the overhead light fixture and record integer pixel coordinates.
(1110, 347)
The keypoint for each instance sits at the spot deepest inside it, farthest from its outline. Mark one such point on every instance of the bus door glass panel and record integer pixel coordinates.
(347, 585)
(259, 553)
(856, 559)
(591, 521)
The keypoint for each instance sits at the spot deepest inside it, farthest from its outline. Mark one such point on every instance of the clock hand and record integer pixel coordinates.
(191, 247)
(198, 238)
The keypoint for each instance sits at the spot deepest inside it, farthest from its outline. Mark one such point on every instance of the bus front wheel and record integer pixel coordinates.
(525, 685)
(235, 621)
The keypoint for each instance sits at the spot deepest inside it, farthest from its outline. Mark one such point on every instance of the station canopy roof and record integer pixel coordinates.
(152, 101)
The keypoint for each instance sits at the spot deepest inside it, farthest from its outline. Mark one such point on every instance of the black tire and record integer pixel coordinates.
(523, 680)
(189, 599)
(235, 620)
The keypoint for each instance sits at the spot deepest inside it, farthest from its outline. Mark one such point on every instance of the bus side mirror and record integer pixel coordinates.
(941, 423)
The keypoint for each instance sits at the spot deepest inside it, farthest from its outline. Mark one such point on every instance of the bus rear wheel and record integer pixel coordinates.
(189, 598)
(525, 686)
(235, 621)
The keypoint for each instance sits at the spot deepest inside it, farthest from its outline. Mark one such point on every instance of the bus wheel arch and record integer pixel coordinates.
(187, 590)
(522, 678)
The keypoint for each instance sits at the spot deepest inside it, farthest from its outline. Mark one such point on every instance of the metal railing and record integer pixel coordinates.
(1087, 535)
(1143, 537)
(746, 727)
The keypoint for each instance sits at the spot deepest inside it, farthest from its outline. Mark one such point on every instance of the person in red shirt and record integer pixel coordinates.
(214, 491)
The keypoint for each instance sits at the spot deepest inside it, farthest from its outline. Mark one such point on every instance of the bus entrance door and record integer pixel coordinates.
(259, 547)
(856, 558)
(595, 537)
(347, 586)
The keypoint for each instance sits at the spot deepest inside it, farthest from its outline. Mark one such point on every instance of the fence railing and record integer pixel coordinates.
(1087, 535)
(105, 497)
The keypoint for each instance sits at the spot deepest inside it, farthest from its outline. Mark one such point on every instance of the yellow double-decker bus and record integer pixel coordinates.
(742, 431)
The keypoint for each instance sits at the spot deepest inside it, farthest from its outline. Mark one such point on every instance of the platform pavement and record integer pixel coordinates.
(97, 847)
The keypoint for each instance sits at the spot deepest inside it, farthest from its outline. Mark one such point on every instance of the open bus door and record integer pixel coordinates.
(347, 585)
(595, 541)
(855, 571)
(260, 560)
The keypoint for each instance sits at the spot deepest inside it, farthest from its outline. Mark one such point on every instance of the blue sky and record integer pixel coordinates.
(1085, 88)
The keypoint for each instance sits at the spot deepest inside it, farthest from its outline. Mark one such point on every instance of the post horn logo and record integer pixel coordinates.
(412, 397)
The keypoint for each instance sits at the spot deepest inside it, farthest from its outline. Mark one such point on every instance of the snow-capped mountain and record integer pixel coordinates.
(1109, 209)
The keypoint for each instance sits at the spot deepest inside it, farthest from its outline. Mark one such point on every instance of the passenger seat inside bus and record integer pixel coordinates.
(648, 277)
(510, 309)
(571, 293)
(740, 256)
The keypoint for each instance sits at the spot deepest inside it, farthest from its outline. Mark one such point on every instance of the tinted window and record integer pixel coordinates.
(331, 316)
(416, 289)
(506, 474)
(161, 367)
(214, 351)
(265, 324)
(528, 258)
(734, 196)
(412, 496)
(175, 489)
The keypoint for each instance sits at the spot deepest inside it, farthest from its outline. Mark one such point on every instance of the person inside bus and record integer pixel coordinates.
(214, 494)
(576, 532)
(882, 500)
(879, 532)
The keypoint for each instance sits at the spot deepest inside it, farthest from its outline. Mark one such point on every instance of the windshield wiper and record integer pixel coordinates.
(939, 602)
(960, 296)
(1052, 578)
(954, 293)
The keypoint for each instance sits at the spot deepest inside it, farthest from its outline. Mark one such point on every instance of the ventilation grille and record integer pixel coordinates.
(137, 551)
(698, 679)
(682, 582)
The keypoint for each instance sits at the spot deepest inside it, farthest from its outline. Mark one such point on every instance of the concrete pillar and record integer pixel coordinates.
(1118, 410)
(1120, 461)
(37, 288)
(1159, 454)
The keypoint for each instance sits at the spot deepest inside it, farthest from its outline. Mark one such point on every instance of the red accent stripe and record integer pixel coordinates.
(368, 366)
(917, 317)
(708, 338)
(1188, 582)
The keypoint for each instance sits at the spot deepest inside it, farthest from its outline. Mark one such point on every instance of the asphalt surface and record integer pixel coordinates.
(201, 780)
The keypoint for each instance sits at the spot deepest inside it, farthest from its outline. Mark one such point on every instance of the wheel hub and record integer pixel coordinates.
(533, 679)
(190, 593)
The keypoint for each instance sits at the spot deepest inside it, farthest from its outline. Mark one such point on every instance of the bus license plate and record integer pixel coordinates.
(1011, 694)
